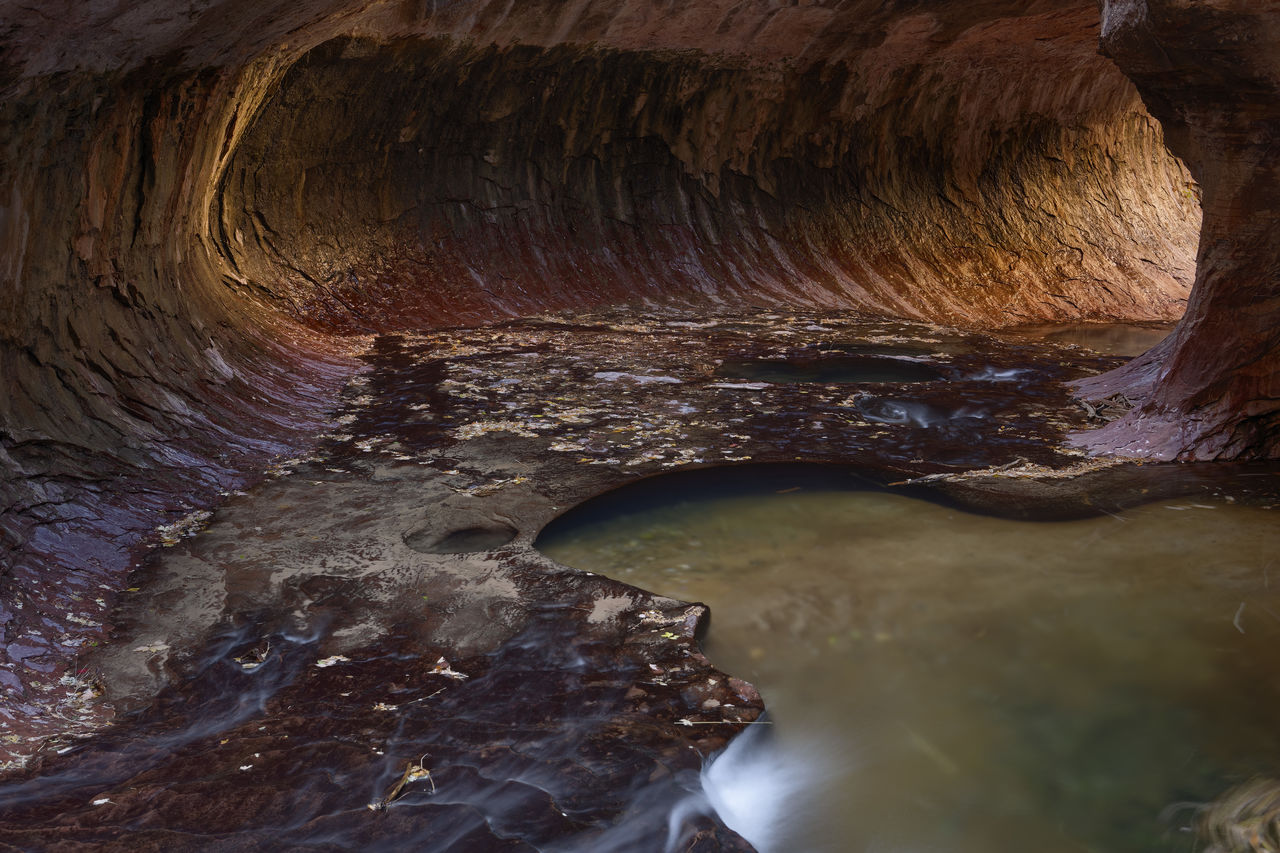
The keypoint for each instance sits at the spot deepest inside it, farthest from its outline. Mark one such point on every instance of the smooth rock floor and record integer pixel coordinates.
(278, 671)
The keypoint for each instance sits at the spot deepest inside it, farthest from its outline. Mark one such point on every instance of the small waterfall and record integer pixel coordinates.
(759, 786)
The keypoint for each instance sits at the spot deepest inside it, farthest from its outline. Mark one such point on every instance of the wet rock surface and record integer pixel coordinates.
(850, 370)
(204, 211)
(191, 195)
(547, 739)
(283, 669)
(503, 428)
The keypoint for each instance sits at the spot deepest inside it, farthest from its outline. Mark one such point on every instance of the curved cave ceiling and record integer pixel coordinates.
(431, 181)
(201, 213)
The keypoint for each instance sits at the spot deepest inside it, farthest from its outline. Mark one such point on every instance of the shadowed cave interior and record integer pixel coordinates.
(210, 218)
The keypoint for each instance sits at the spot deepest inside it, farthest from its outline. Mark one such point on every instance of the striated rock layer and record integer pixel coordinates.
(1211, 73)
(201, 212)
(489, 179)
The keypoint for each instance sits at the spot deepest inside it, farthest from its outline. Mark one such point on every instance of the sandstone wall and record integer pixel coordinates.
(1211, 72)
(199, 207)
(481, 180)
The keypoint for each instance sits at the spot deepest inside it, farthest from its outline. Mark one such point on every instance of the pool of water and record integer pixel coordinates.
(898, 348)
(847, 369)
(1125, 339)
(946, 681)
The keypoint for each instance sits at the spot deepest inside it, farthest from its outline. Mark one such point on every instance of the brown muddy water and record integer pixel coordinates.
(1126, 339)
(946, 681)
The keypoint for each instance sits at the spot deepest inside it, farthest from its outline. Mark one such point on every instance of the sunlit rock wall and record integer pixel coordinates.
(1211, 73)
(987, 173)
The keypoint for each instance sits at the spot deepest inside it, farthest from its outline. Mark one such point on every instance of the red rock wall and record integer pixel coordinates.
(134, 389)
(1211, 72)
(484, 180)
(192, 201)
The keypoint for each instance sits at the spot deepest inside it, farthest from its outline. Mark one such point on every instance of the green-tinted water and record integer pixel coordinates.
(975, 684)
(1129, 339)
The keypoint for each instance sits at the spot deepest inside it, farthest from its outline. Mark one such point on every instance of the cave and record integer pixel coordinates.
(249, 250)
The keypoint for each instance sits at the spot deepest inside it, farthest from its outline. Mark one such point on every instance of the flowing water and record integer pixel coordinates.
(946, 681)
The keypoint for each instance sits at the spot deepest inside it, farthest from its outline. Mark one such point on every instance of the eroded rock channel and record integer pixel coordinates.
(365, 292)
(327, 636)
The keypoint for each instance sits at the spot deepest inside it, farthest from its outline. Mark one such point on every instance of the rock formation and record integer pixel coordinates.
(1211, 73)
(202, 212)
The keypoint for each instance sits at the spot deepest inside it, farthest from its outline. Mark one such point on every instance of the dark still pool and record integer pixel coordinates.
(845, 370)
(946, 681)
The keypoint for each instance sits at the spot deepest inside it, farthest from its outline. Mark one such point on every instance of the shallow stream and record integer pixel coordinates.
(365, 652)
(946, 681)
